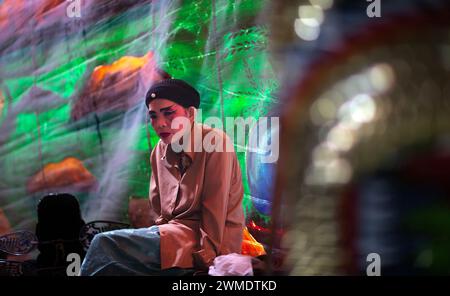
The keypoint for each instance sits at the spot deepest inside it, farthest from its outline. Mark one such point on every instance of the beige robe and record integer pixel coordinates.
(200, 213)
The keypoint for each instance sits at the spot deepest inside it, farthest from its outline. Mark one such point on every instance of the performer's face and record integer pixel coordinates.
(162, 112)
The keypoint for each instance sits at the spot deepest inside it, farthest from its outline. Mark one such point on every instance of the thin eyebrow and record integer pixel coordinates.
(161, 110)
(165, 109)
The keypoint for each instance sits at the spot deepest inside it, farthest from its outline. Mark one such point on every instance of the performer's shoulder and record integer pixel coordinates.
(217, 134)
(206, 129)
(158, 149)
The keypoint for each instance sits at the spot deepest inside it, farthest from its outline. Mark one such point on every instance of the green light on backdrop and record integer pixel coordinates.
(195, 45)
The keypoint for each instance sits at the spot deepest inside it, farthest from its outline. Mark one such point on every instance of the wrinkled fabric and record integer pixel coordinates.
(232, 265)
(126, 252)
(200, 212)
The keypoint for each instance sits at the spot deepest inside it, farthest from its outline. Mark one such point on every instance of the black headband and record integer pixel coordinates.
(175, 90)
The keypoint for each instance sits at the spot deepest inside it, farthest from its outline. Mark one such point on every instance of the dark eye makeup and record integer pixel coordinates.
(166, 112)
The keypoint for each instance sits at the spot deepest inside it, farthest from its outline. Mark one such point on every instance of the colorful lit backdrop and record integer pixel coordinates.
(72, 116)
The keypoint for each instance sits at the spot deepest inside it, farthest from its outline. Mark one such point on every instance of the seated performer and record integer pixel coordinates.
(196, 193)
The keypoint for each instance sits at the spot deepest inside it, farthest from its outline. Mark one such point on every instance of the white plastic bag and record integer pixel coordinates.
(232, 265)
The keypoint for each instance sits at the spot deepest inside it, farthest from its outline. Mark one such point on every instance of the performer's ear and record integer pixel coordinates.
(191, 111)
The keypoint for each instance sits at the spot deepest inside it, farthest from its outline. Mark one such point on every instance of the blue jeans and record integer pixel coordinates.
(127, 252)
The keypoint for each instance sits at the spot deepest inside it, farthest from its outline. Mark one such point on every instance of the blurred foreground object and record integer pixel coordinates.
(365, 148)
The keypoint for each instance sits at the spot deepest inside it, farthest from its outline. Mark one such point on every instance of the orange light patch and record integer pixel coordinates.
(250, 246)
(67, 173)
(126, 64)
